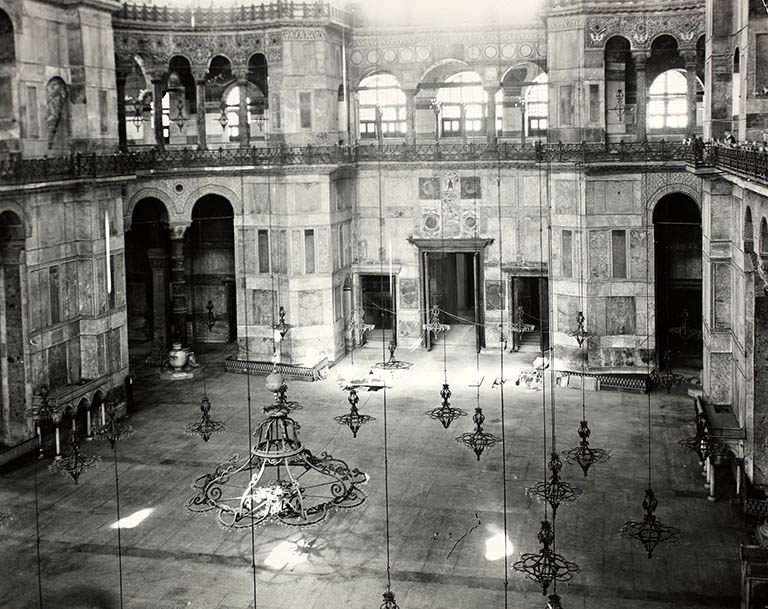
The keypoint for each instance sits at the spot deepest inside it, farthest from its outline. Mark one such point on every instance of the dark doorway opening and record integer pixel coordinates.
(677, 255)
(378, 300)
(530, 305)
(452, 281)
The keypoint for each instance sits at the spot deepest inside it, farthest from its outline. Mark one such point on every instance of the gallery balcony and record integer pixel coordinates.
(17, 170)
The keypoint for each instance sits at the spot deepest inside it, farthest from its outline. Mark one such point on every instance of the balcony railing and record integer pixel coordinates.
(14, 170)
(281, 10)
(750, 162)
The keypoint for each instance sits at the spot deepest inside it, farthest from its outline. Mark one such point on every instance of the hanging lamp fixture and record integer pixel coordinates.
(280, 480)
(206, 426)
(478, 440)
(445, 413)
(281, 327)
(554, 490)
(546, 566)
(649, 531)
(179, 119)
(580, 334)
(584, 454)
(393, 363)
(353, 419)
(112, 429)
(702, 443)
(75, 463)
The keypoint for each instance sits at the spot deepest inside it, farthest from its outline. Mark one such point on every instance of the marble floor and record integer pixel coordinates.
(446, 509)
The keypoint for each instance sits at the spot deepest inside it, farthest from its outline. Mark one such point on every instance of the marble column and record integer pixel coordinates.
(490, 125)
(158, 88)
(244, 128)
(379, 125)
(463, 122)
(157, 263)
(178, 283)
(202, 142)
(122, 135)
(410, 115)
(641, 57)
(690, 74)
(522, 122)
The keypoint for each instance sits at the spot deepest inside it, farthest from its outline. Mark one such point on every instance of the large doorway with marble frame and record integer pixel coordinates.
(451, 278)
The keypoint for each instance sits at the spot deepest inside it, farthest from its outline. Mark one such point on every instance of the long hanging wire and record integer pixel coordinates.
(37, 528)
(501, 345)
(247, 351)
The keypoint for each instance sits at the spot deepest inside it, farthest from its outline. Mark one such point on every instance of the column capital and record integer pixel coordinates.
(157, 76)
(689, 57)
(177, 230)
(641, 56)
(200, 75)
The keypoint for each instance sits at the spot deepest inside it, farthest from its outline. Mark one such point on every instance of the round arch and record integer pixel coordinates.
(147, 193)
(13, 16)
(749, 230)
(210, 189)
(20, 212)
(443, 69)
(671, 189)
(763, 242)
(376, 71)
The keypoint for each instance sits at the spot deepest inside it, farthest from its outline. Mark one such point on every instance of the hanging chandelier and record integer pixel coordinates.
(445, 413)
(665, 376)
(650, 531)
(546, 566)
(554, 490)
(206, 426)
(580, 334)
(353, 419)
(280, 480)
(584, 454)
(478, 440)
(703, 443)
(389, 601)
(75, 463)
(281, 327)
(179, 119)
(435, 325)
(112, 429)
(393, 363)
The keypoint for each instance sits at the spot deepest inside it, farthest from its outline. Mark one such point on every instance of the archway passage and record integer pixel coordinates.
(147, 252)
(677, 254)
(12, 376)
(211, 266)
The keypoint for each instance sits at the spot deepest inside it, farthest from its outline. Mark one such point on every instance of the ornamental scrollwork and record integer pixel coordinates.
(641, 30)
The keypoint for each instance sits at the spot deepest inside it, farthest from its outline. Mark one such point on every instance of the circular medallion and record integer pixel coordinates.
(356, 57)
(526, 50)
(473, 52)
(508, 51)
(541, 50)
(491, 52)
(431, 223)
(423, 53)
(372, 56)
(390, 56)
(406, 55)
(470, 222)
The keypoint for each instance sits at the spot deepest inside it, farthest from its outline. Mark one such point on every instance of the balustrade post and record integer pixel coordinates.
(244, 129)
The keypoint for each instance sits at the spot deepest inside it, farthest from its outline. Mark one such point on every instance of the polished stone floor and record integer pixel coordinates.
(446, 517)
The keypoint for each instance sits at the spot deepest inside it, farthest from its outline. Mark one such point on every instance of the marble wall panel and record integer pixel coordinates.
(598, 253)
(721, 286)
(568, 308)
(639, 264)
(399, 190)
(620, 315)
(306, 197)
(262, 301)
(258, 198)
(721, 370)
(297, 251)
(565, 197)
(532, 191)
(323, 261)
(409, 293)
(310, 308)
(596, 316)
(495, 294)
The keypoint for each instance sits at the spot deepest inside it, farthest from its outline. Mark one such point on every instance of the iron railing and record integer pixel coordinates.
(15, 169)
(282, 10)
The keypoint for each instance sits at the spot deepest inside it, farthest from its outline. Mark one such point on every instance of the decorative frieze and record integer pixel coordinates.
(641, 30)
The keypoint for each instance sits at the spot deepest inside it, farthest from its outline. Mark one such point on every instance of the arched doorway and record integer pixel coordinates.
(677, 255)
(211, 267)
(12, 375)
(147, 251)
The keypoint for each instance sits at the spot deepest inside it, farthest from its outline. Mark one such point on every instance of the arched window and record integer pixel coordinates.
(464, 89)
(537, 107)
(667, 101)
(232, 112)
(7, 44)
(381, 93)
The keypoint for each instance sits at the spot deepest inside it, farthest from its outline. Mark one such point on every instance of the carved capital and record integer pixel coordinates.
(177, 231)
(689, 57)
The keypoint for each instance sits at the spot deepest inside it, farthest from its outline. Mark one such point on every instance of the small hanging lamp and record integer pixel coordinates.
(445, 413)
(353, 419)
(546, 566)
(112, 429)
(75, 463)
(478, 440)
